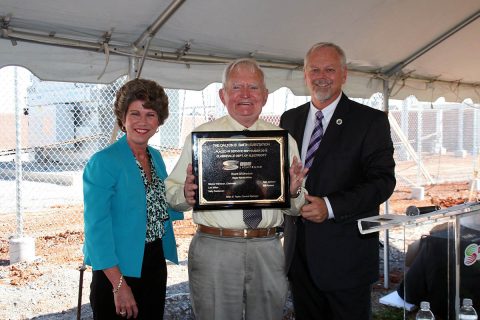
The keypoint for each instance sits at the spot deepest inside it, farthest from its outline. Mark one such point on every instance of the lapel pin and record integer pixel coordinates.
(339, 121)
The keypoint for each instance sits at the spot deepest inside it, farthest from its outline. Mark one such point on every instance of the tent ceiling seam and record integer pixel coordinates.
(399, 66)
(182, 55)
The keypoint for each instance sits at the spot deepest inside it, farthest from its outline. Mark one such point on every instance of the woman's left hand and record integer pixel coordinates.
(125, 304)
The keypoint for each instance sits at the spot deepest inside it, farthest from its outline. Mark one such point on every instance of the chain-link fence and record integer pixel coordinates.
(57, 126)
(435, 142)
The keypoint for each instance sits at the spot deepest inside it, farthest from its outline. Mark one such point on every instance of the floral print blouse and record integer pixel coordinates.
(157, 212)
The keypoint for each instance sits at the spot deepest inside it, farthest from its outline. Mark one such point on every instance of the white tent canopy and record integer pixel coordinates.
(427, 48)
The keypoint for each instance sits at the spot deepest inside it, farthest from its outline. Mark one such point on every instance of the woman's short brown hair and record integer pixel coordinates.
(144, 90)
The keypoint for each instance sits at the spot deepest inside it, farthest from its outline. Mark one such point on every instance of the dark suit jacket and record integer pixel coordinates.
(354, 168)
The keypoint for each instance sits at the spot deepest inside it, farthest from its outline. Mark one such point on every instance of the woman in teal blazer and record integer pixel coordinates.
(128, 227)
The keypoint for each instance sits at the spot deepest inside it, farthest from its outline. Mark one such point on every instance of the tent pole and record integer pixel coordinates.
(386, 240)
(152, 30)
(113, 136)
(158, 23)
(142, 61)
(132, 70)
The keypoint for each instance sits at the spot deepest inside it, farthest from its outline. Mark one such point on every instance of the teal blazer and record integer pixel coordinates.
(115, 213)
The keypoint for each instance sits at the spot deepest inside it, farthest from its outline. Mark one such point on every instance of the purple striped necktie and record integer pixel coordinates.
(315, 139)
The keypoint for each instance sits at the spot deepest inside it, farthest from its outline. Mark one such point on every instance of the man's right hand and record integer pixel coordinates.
(315, 210)
(190, 186)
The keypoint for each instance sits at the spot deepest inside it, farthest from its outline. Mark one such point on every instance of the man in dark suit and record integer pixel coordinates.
(331, 266)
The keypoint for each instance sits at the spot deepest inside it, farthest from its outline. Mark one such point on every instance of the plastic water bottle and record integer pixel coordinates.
(424, 313)
(467, 312)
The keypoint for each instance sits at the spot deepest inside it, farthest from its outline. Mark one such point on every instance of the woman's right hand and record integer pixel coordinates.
(125, 304)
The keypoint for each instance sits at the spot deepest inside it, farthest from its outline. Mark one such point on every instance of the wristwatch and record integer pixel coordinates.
(299, 190)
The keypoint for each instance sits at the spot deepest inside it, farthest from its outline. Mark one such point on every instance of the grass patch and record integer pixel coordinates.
(389, 313)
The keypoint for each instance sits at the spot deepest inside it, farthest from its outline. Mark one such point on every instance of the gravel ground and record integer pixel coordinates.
(47, 288)
(50, 292)
(42, 290)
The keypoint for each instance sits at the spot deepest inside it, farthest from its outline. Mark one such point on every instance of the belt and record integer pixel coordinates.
(237, 233)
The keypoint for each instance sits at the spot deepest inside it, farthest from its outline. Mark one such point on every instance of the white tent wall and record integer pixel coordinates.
(426, 48)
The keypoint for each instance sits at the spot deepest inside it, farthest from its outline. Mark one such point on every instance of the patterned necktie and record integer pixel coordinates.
(315, 139)
(252, 217)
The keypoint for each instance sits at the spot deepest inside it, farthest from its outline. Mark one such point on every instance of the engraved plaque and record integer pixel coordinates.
(241, 169)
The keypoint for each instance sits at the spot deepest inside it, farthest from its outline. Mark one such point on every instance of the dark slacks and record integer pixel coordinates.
(148, 290)
(311, 303)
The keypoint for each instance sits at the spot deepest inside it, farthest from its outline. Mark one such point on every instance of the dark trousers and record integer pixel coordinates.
(311, 303)
(148, 290)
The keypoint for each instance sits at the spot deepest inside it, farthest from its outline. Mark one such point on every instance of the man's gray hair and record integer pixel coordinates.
(248, 62)
(341, 53)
